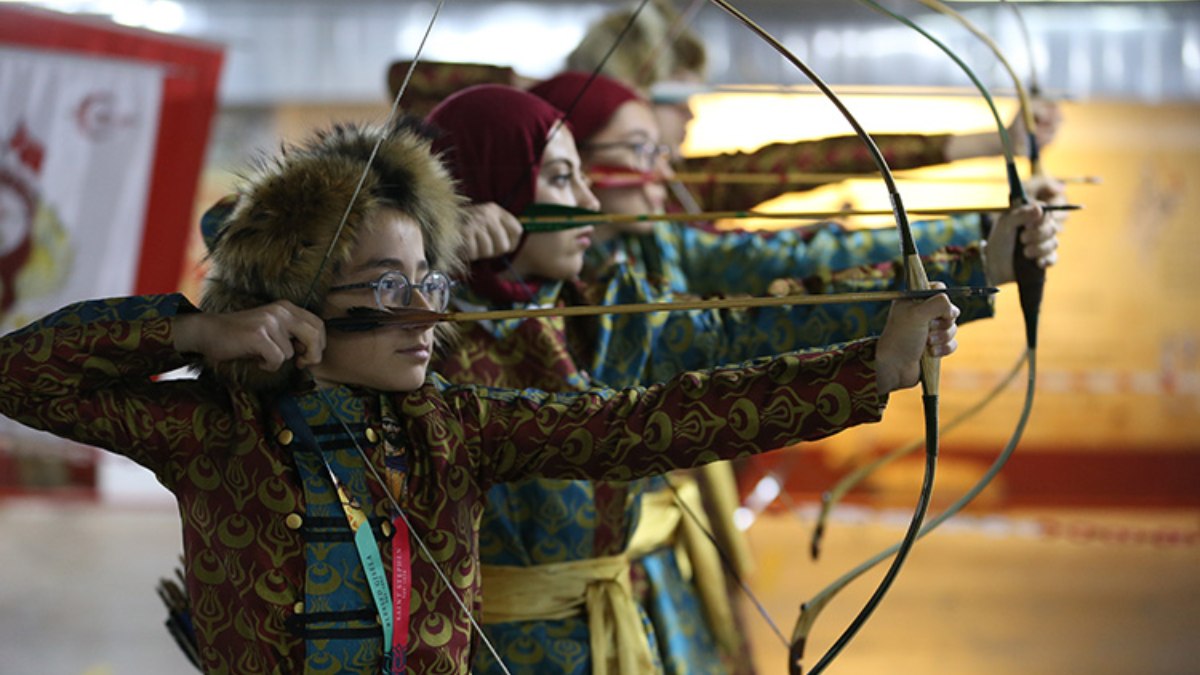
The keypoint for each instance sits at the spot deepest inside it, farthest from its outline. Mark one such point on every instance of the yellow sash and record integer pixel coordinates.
(598, 587)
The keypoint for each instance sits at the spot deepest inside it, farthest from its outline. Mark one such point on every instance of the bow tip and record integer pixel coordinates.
(796, 658)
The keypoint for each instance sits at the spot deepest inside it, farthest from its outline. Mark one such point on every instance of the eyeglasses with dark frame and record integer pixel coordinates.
(647, 154)
(393, 289)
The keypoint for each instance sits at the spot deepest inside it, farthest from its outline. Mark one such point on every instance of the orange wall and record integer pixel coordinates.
(1117, 413)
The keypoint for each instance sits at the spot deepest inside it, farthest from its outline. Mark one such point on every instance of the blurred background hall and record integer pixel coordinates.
(1083, 556)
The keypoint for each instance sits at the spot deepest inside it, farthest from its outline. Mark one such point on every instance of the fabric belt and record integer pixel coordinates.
(596, 587)
(599, 588)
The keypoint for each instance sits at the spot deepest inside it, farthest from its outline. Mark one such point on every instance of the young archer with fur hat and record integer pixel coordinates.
(288, 452)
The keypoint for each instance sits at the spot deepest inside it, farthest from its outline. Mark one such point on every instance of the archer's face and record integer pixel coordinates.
(558, 255)
(391, 357)
(630, 141)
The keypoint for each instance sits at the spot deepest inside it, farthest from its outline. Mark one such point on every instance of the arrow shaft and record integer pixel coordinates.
(535, 223)
(418, 316)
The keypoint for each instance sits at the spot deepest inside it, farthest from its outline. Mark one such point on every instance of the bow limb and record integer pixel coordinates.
(1022, 93)
(1034, 90)
(825, 595)
(833, 496)
(930, 373)
(813, 607)
(1017, 194)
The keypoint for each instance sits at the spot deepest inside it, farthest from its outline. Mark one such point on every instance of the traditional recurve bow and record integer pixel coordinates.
(917, 279)
(1030, 300)
(832, 496)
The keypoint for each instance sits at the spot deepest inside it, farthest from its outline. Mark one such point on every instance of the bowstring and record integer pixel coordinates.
(929, 367)
(388, 122)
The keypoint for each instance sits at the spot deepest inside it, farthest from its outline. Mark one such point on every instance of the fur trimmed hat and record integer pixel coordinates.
(654, 50)
(275, 243)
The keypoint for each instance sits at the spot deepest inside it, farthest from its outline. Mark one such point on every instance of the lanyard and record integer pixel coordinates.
(395, 464)
(391, 604)
(402, 583)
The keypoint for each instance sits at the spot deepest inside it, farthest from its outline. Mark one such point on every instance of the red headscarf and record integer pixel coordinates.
(592, 112)
(492, 139)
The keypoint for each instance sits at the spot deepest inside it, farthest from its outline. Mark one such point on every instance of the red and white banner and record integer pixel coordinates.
(103, 132)
(77, 142)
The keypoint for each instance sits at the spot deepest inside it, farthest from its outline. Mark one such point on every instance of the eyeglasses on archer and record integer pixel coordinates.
(393, 289)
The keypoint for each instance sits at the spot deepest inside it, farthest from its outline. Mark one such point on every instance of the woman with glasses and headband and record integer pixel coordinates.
(621, 150)
(330, 487)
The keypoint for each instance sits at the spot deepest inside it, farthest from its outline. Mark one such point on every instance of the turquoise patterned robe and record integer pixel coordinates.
(538, 521)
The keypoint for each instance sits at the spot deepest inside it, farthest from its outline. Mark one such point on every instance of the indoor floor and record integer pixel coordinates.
(1046, 593)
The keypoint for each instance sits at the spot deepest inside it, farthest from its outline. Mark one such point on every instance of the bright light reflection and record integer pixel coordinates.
(728, 122)
(743, 518)
(1191, 53)
(165, 16)
(129, 13)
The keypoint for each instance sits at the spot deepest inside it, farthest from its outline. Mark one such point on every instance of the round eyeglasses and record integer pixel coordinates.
(646, 155)
(393, 289)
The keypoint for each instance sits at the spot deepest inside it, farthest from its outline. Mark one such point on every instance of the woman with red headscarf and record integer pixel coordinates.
(552, 552)
(556, 555)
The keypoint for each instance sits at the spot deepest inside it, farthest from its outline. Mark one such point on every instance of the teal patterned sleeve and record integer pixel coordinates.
(692, 339)
(708, 263)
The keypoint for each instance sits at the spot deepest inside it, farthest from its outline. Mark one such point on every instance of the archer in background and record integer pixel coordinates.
(667, 62)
